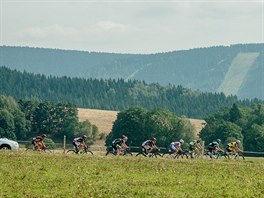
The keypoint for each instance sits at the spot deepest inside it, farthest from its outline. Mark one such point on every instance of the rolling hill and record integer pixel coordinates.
(236, 69)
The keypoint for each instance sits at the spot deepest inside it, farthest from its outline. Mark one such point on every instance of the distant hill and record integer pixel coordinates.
(236, 69)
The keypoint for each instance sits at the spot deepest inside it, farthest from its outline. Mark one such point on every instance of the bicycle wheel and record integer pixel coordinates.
(238, 155)
(156, 155)
(127, 152)
(71, 151)
(141, 153)
(87, 152)
(29, 149)
(48, 151)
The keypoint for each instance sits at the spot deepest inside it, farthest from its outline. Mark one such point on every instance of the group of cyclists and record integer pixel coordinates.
(175, 148)
(78, 143)
(148, 146)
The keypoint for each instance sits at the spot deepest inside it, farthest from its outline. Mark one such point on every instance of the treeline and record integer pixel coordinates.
(25, 119)
(232, 123)
(112, 94)
(140, 124)
(229, 124)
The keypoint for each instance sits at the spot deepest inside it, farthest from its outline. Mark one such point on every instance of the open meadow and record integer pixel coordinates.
(37, 174)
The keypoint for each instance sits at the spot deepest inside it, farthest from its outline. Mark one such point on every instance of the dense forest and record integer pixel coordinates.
(232, 123)
(25, 119)
(112, 94)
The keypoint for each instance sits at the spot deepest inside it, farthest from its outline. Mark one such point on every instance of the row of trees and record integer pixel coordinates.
(140, 124)
(112, 94)
(28, 118)
(231, 123)
(25, 119)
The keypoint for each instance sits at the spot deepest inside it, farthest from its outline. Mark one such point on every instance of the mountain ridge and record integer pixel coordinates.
(202, 69)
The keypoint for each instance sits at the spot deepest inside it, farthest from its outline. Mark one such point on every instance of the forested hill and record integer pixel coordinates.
(236, 69)
(111, 94)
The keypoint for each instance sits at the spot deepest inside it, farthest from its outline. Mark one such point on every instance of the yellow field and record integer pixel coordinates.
(104, 119)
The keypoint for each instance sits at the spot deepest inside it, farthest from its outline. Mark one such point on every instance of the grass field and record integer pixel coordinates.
(57, 175)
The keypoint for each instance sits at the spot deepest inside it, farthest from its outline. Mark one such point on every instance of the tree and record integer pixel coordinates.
(7, 125)
(130, 122)
(140, 124)
(234, 113)
(254, 140)
(13, 116)
(220, 129)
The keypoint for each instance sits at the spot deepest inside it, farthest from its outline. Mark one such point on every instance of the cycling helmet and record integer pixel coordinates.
(154, 139)
(238, 141)
(84, 136)
(181, 141)
(44, 135)
(124, 137)
(218, 140)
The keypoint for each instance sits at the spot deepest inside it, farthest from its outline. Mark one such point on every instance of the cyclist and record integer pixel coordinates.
(38, 142)
(233, 147)
(192, 147)
(195, 147)
(148, 146)
(79, 142)
(175, 147)
(213, 147)
(118, 144)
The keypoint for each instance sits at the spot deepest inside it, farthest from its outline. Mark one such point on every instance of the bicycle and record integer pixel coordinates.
(154, 153)
(124, 152)
(42, 149)
(236, 155)
(84, 150)
(196, 153)
(174, 155)
(221, 153)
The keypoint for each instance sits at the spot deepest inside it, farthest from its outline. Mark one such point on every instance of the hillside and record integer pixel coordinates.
(104, 119)
(210, 69)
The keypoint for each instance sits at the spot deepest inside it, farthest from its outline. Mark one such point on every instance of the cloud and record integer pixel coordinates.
(99, 28)
(48, 31)
(109, 25)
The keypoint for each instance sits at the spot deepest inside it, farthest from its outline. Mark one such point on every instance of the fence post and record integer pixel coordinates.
(64, 144)
(203, 148)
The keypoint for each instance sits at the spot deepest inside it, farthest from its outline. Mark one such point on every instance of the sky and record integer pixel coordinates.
(134, 26)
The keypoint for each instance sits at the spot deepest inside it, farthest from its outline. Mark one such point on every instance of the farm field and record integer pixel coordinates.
(104, 119)
(24, 174)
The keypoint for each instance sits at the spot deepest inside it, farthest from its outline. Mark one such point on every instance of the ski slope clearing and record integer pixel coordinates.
(237, 72)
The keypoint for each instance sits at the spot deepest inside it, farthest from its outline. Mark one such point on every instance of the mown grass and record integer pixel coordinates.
(58, 175)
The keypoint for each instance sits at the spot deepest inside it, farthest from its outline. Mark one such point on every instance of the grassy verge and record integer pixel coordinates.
(57, 175)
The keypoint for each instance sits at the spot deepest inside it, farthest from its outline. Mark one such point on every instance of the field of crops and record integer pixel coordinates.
(37, 174)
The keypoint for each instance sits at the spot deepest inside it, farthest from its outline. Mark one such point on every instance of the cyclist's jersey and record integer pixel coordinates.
(213, 145)
(192, 145)
(175, 144)
(117, 142)
(78, 139)
(147, 143)
(232, 146)
(37, 139)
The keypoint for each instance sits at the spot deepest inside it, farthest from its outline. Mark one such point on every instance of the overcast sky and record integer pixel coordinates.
(135, 26)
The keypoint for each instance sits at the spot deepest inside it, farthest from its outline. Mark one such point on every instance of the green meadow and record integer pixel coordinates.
(33, 174)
